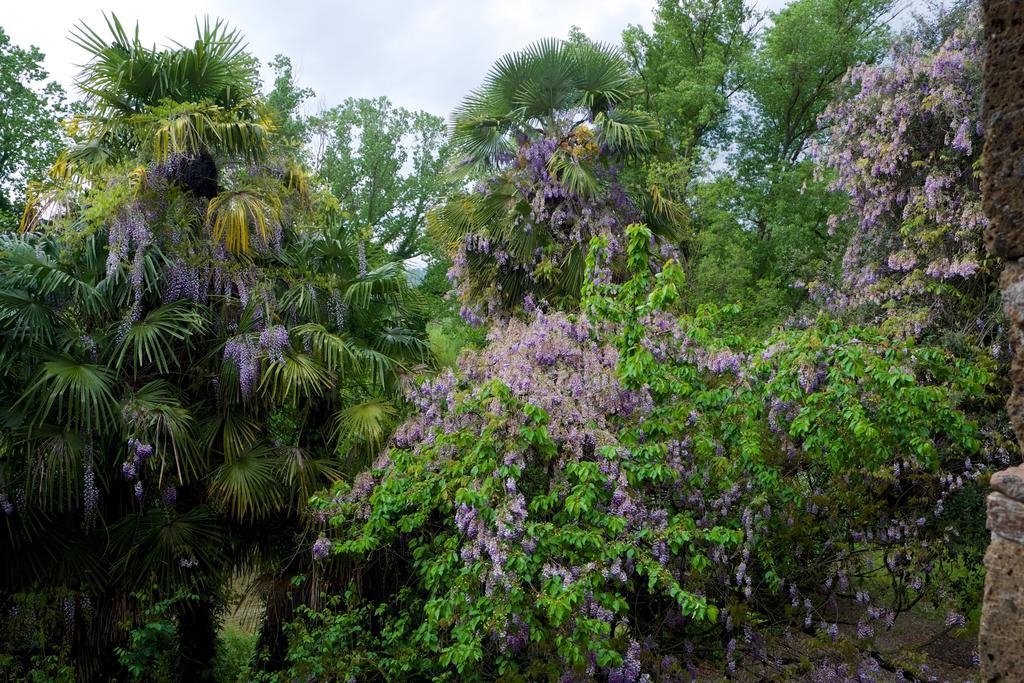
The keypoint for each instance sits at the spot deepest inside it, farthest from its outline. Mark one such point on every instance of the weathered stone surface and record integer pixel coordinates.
(1002, 621)
(1015, 408)
(1002, 185)
(1003, 115)
(1011, 282)
(1006, 517)
(1010, 482)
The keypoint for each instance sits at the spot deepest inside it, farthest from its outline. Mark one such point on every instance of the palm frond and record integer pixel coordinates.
(25, 317)
(626, 130)
(334, 350)
(77, 395)
(231, 214)
(232, 433)
(54, 480)
(160, 337)
(400, 342)
(293, 376)
(193, 128)
(156, 412)
(603, 76)
(249, 487)
(301, 300)
(124, 76)
(539, 91)
(303, 475)
(573, 175)
(26, 264)
(154, 543)
(363, 422)
(387, 280)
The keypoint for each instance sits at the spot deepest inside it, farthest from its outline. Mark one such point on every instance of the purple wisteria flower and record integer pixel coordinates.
(321, 548)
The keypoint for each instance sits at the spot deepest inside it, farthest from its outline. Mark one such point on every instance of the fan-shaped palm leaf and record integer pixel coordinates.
(230, 215)
(301, 300)
(157, 338)
(364, 422)
(29, 266)
(334, 350)
(231, 432)
(25, 317)
(78, 395)
(626, 130)
(603, 77)
(304, 475)
(53, 482)
(573, 175)
(295, 375)
(546, 89)
(249, 486)
(387, 280)
(158, 541)
(124, 76)
(193, 128)
(400, 342)
(156, 412)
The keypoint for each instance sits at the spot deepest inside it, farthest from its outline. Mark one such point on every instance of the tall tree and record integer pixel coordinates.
(801, 57)
(549, 129)
(285, 101)
(31, 109)
(775, 230)
(692, 64)
(384, 164)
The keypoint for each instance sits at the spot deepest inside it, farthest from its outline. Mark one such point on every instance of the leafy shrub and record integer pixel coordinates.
(153, 641)
(235, 654)
(625, 490)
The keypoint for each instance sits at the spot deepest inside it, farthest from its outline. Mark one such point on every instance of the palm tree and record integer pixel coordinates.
(186, 100)
(198, 106)
(181, 372)
(547, 90)
(549, 130)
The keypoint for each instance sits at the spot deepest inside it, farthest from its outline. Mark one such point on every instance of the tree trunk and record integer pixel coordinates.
(197, 632)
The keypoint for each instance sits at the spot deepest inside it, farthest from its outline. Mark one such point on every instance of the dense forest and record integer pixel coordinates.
(675, 359)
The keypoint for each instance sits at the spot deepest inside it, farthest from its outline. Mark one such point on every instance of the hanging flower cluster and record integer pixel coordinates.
(246, 351)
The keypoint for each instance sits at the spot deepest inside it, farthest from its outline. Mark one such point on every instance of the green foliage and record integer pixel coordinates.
(730, 84)
(791, 78)
(802, 55)
(529, 92)
(42, 669)
(449, 337)
(27, 653)
(191, 347)
(284, 101)
(808, 477)
(187, 99)
(30, 131)
(235, 657)
(184, 286)
(691, 64)
(153, 641)
(384, 165)
(332, 643)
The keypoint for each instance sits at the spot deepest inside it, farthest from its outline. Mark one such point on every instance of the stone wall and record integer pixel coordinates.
(1001, 641)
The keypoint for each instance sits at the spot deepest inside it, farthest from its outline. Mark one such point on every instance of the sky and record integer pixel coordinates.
(423, 54)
